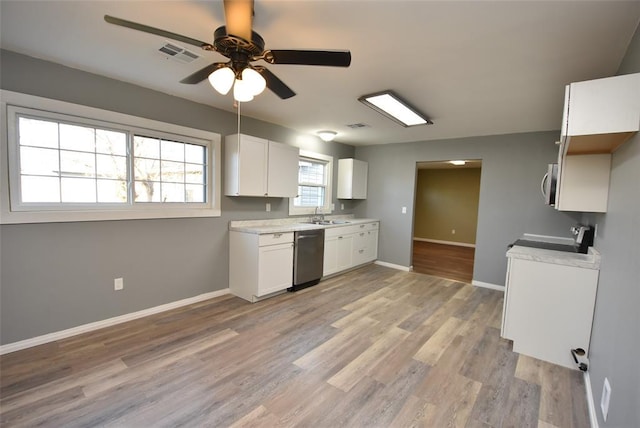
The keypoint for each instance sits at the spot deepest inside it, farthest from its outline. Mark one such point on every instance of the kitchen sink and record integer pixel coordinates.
(328, 222)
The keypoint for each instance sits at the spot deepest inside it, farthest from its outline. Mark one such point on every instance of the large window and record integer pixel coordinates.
(63, 167)
(314, 184)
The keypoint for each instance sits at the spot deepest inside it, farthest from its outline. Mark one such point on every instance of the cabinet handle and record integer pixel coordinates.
(277, 235)
(361, 226)
(579, 352)
(361, 251)
(266, 194)
(339, 237)
(361, 233)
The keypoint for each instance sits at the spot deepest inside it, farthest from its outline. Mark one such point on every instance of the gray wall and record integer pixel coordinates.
(510, 200)
(55, 276)
(615, 340)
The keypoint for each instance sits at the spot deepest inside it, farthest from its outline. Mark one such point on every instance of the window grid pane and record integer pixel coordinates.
(59, 162)
(311, 183)
(310, 172)
(168, 171)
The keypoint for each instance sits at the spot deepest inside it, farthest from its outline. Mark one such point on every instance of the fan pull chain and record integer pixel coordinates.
(238, 107)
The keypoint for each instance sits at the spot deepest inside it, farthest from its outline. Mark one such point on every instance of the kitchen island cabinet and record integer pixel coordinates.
(549, 302)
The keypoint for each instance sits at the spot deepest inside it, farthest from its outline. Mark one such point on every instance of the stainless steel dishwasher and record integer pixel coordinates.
(308, 258)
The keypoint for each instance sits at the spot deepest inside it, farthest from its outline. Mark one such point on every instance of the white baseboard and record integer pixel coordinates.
(435, 241)
(487, 285)
(593, 417)
(85, 328)
(393, 266)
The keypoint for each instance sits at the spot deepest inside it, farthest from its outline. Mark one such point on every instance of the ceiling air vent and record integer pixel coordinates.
(358, 125)
(178, 53)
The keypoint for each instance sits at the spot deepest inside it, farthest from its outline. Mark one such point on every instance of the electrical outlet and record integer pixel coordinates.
(342, 207)
(453, 231)
(268, 206)
(118, 284)
(404, 210)
(606, 397)
(333, 207)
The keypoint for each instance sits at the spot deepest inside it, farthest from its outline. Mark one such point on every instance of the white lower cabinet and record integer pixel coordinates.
(349, 246)
(337, 253)
(548, 309)
(260, 264)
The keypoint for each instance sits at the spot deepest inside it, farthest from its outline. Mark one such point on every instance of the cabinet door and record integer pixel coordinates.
(330, 256)
(360, 241)
(283, 163)
(371, 249)
(245, 165)
(275, 268)
(345, 252)
(550, 309)
(352, 179)
(601, 114)
(584, 183)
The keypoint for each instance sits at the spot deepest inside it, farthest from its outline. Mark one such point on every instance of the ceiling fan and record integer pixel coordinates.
(242, 46)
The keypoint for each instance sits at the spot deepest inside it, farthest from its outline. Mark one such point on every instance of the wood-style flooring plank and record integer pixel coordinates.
(447, 261)
(374, 347)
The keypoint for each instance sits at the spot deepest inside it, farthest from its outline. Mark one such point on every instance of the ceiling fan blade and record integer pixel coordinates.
(202, 74)
(276, 85)
(158, 32)
(329, 58)
(238, 15)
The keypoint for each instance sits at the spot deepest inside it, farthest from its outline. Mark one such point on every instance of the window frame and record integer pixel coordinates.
(327, 208)
(12, 210)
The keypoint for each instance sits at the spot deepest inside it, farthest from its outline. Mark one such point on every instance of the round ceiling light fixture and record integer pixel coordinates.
(327, 135)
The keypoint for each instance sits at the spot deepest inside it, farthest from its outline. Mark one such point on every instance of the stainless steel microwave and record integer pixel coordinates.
(549, 184)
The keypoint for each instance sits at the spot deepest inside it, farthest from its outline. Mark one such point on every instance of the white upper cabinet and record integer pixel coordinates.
(258, 167)
(599, 115)
(282, 171)
(583, 183)
(352, 179)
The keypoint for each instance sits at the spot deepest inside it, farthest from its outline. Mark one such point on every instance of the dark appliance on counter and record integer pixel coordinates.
(583, 239)
(308, 258)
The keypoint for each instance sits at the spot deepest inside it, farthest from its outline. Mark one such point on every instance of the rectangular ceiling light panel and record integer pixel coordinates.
(395, 108)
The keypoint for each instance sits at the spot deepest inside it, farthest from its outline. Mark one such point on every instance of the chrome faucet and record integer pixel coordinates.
(317, 217)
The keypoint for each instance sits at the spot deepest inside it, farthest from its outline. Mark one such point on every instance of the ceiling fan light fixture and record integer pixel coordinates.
(327, 135)
(222, 80)
(242, 91)
(254, 81)
(395, 108)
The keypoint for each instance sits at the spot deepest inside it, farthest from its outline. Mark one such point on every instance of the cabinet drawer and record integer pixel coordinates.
(274, 238)
(339, 231)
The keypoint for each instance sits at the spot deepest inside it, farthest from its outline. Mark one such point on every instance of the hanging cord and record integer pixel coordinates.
(238, 106)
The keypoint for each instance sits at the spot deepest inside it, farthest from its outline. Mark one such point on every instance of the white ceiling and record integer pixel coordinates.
(475, 67)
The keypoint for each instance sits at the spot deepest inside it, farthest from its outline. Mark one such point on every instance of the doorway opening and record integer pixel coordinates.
(445, 218)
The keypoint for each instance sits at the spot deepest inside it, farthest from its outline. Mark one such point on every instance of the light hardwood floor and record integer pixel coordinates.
(375, 347)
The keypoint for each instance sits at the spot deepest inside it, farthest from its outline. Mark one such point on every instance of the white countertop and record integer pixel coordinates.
(291, 224)
(591, 260)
